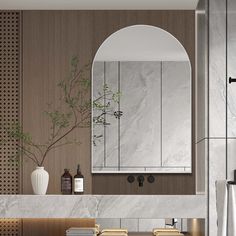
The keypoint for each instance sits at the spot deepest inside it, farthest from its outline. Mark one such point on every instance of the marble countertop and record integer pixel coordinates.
(102, 206)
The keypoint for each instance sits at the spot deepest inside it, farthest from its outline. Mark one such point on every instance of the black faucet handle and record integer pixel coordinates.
(130, 179)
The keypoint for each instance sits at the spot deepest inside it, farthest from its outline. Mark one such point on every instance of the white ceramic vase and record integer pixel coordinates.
(39, 180)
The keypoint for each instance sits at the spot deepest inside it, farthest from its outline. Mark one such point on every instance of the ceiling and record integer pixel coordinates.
(98, 4)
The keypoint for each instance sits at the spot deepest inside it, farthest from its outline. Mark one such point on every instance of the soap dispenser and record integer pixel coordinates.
(78, 182)
(66, 182)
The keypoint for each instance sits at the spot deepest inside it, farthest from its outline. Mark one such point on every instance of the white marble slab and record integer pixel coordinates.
(103, 206)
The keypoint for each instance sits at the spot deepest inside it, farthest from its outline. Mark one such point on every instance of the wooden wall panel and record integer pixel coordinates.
(50, 39)
(51, 227)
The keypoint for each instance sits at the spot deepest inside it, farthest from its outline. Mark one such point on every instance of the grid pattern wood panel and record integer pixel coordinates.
(9, 97)
(10, 227)
(9, 110)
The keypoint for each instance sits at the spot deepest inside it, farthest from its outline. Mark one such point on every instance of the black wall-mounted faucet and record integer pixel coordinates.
(140, 180)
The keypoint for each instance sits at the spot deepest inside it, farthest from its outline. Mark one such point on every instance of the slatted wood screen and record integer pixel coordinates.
(9, 97)
(9, 109)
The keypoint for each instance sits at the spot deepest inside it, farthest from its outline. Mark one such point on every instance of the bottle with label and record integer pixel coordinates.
(78, 182)
(66, 182)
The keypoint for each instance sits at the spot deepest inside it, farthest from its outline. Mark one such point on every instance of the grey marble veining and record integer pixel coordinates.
(217, 68)
(140, 134)
(217, 103)
(102, 206)
(231, 66)
(176, 114)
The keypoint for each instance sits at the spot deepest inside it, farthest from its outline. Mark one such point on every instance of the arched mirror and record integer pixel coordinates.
(141, 93)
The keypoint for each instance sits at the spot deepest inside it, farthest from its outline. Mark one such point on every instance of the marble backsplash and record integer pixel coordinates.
(103, 206)
(139, 225)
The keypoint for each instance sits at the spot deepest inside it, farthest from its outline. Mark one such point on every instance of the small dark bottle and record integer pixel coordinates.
(66, 182)
(78, 182)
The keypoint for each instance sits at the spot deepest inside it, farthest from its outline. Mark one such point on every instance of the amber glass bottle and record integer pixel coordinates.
(66, 182)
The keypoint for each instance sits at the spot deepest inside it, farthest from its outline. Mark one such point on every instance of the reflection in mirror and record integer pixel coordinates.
(143, 74)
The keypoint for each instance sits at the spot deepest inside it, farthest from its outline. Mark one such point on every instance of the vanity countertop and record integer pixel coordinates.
(102, 206)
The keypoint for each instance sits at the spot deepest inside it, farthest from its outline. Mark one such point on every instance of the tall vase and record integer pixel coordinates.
(39, 180)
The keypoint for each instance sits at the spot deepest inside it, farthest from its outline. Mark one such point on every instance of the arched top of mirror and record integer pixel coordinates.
(141, 43)
(147, 127)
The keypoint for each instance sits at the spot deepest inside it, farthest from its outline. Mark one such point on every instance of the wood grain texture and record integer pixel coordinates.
(51, 227)
(50, 39)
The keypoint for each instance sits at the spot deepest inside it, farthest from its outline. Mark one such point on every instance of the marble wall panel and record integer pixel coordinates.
(108, 223)
(217, 68)
(217, 103)
(217, 171)
(231, 160)
(176, 114)
(147, 225)
(231, 62)
(131, 224)
(140, 132)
